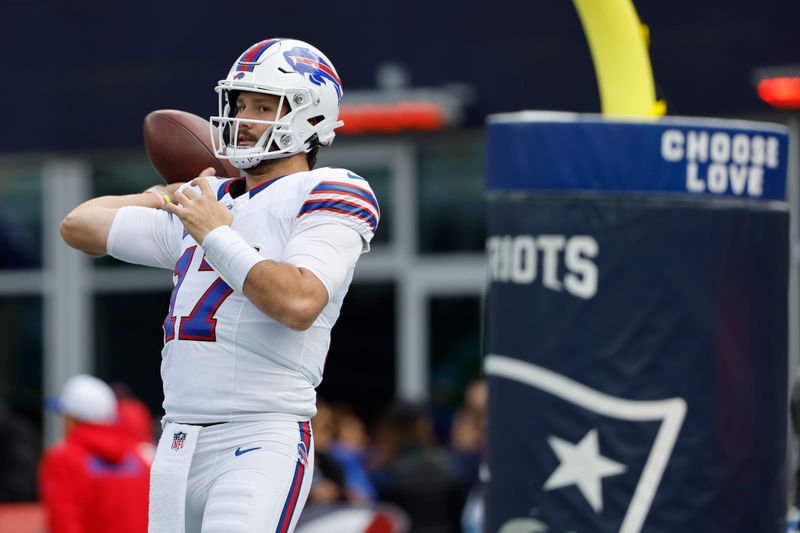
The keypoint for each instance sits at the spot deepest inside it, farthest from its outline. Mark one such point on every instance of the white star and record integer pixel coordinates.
(582, 465)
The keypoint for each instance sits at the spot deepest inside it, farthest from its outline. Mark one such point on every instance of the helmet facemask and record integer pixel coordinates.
(280, 139)
(308, 91)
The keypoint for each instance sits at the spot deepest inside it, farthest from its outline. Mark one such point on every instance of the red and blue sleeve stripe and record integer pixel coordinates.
(297, 481)
(342, 207)
(251, 56)
(339, 187)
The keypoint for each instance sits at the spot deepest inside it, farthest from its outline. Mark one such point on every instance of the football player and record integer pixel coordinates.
(261, 265)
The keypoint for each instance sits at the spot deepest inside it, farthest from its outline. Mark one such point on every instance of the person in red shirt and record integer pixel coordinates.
(135, 417)
(95, 480)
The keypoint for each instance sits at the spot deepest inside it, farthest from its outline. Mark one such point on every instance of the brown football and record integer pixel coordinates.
(178, 145)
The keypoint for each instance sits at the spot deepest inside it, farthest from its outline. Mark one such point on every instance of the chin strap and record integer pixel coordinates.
(312, 142)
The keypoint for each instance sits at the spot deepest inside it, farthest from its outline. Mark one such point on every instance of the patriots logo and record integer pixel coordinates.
(576, 462)
(309, 64)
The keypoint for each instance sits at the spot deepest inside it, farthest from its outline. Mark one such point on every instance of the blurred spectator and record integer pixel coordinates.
(467, 446)
(349, 450)
(416, 475)
(94, 481)
(476, 397)
(328, 484)
(468, 433)
(345, 518)
(19, 445)
(472, 518)
(133, 413)
(793, 520)
(135, 418)
(339, 495)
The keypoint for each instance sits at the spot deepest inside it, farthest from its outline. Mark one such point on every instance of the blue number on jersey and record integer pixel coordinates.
(200, 324)
(181, 268)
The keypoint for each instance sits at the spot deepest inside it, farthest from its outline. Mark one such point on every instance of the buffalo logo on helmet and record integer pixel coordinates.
(239, 75)
(177, 440)
(309, 64)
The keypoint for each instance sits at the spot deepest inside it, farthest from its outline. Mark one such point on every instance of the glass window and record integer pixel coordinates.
(21, 406)
(452, 216)
(455, 353)
(21, 355)
(360, 366)
(122, 175)
(20, 215)
(128, 341)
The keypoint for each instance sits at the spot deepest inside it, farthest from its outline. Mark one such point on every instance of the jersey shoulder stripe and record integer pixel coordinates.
(349, 189)
(339, 195)
(340, 206)
(343, 198)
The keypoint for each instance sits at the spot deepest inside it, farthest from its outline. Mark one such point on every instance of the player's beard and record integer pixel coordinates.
(266, 166)
(263, 168)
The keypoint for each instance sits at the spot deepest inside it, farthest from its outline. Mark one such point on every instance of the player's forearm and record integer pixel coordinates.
(293, 296)
(87, 226)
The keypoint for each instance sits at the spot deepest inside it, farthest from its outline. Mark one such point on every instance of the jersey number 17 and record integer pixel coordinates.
(200, 324)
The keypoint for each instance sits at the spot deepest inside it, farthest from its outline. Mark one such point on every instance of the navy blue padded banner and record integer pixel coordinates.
(606, 315)
(698, 157)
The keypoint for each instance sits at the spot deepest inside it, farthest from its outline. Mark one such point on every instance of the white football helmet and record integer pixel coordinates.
(304, 80)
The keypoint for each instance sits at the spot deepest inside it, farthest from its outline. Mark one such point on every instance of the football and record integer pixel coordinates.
(179, 147)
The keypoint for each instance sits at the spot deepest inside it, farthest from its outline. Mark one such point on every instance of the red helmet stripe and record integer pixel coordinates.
(253, 53)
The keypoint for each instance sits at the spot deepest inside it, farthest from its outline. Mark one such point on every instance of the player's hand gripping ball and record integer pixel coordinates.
(178, 145)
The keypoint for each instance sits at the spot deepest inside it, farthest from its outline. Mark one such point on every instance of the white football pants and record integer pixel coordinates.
(249, 477)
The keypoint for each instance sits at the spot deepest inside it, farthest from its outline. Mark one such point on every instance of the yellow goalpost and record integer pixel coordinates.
(618, 43)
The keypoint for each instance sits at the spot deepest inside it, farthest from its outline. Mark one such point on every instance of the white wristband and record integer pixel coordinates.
(230, 255)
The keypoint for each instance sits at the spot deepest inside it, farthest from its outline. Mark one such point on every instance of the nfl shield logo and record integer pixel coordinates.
(177, 440)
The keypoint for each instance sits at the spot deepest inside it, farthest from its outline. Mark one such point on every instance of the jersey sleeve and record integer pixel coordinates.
(345, 198)
(152, 237)
(329, 251)
(145, 236)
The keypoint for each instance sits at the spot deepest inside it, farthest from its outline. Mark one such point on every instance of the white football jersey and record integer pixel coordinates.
(223, 359)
